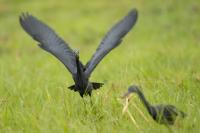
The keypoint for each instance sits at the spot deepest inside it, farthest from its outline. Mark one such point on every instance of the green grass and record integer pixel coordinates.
(161, 54)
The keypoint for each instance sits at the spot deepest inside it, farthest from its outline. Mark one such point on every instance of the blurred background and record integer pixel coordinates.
(161, 54)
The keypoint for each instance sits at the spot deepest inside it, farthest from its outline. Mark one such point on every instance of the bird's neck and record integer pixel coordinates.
(78, 66)
(144, 101)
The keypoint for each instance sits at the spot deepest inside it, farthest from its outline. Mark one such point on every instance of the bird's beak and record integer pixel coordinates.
(126, 95)
(125, 106)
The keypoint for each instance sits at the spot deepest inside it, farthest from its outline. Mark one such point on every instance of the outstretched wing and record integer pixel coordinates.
(49, 40)
(112, 40)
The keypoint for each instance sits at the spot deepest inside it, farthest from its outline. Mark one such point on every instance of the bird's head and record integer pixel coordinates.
(76, 53)
(133, 88)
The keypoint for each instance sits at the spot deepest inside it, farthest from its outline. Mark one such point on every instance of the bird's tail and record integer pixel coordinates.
(97, 85)
(72, 87)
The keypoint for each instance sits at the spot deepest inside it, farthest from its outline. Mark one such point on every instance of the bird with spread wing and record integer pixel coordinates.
(52, 43)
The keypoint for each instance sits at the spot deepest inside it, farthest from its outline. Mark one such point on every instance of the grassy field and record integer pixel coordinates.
(161, 54)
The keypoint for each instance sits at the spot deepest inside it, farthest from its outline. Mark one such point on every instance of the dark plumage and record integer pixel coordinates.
(52, 43)
(163, 114)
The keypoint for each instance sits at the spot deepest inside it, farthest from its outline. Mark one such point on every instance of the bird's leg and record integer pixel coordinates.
(84, 102)
(91, 103)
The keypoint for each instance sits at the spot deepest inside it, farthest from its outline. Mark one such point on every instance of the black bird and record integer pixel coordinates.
(52, 43)
(163, 114)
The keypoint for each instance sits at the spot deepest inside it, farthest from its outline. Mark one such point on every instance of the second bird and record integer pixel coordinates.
(163, 114)
(52, 43)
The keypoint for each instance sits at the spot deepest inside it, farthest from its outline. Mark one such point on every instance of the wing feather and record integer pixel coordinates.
(49, 40)
(112, 39)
